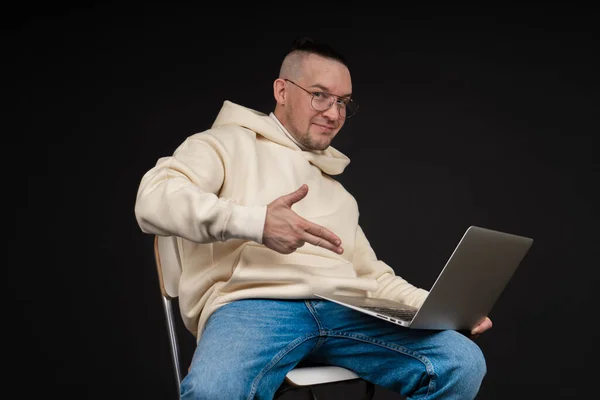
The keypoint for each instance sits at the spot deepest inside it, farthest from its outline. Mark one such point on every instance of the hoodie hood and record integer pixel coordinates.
(330, 160)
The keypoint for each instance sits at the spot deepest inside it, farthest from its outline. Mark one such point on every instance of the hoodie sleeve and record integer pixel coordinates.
(389, 286)
(179, 197)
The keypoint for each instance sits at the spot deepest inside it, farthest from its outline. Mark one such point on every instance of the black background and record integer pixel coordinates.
(468, 116)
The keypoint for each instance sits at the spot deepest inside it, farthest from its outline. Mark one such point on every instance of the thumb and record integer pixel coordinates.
(296, 196)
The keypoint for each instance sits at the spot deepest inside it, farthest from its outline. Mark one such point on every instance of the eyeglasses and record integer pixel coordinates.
(322, 101)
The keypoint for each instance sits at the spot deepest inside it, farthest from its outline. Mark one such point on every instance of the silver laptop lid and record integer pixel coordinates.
(473, 278)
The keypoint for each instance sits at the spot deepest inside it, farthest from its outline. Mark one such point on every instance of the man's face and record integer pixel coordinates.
(316, 129)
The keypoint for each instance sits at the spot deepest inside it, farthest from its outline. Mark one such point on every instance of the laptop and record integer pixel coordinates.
(465, 291)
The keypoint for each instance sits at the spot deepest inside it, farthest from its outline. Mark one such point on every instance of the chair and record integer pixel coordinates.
(168, 266)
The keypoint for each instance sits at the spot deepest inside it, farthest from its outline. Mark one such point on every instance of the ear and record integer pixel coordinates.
(279, 91)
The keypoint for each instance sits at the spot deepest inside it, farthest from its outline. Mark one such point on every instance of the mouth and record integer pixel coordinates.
(326, 128)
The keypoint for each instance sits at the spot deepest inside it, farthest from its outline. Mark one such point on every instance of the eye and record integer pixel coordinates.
(321, 95)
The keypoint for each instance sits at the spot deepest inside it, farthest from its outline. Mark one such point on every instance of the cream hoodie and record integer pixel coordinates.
(213, 192)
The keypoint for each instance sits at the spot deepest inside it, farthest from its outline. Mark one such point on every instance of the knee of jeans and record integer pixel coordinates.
(469, 360)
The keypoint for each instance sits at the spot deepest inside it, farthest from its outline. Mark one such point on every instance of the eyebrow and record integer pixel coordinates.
(324, 89)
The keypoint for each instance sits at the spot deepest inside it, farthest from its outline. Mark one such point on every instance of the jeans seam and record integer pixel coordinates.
(428, 365)
(312, 310)
(275, 360)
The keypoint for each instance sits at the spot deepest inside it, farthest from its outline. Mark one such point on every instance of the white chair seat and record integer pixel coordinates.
(306, 376)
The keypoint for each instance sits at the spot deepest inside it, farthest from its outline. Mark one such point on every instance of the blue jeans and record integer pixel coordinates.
(248, 346)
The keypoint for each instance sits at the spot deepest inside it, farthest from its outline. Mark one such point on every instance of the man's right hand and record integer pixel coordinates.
(285, 231)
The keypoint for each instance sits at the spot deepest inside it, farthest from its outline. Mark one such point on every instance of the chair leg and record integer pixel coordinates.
(173, 340)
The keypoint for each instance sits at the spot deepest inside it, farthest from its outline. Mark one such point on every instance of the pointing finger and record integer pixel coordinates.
(322, 237)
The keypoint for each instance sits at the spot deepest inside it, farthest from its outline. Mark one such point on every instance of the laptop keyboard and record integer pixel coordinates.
(399, 313)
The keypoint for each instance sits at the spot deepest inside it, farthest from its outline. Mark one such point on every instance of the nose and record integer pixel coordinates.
(333, 112)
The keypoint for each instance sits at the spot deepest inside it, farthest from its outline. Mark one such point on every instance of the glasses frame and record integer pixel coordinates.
(336, 97)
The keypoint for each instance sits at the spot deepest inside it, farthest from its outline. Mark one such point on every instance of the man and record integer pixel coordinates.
(262, 226)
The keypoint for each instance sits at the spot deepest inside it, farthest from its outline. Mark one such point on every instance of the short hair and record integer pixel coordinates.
(307, 44)
(300, 48)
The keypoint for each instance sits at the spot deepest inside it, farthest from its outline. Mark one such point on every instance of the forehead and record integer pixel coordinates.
(327, 73)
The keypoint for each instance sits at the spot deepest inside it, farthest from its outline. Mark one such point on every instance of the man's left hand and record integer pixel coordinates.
(482, 327)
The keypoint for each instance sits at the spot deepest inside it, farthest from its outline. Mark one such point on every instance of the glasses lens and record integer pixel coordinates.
(351, 108)
(321, 101)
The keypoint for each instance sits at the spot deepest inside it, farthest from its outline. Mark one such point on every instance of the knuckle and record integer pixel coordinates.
(287, 250)
(303, 225)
